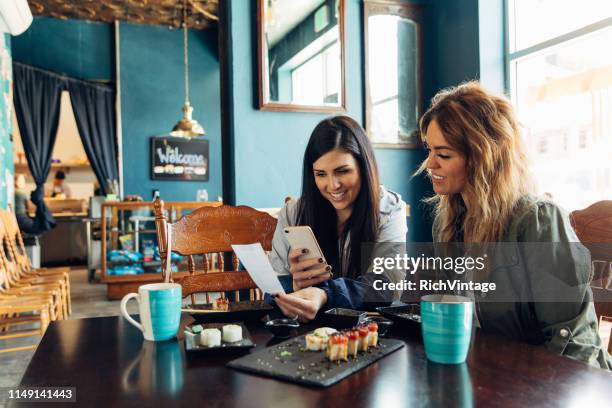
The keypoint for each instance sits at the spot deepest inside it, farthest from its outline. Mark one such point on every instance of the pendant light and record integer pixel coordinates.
(187, 126)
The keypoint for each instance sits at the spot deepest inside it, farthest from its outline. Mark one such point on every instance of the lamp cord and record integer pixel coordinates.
(185, 52)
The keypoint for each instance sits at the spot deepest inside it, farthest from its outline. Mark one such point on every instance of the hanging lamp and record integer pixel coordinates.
(187, 126)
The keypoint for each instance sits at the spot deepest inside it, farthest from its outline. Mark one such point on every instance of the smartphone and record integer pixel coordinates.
(303, 237)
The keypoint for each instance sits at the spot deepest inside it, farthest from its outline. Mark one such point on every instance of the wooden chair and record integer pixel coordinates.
(24, 272)
(12, 286)
(10, 314)
(20, 307)
(211, 232)
(12, 227)
(593, 225)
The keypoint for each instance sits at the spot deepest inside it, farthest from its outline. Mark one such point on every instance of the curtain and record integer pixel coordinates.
(37, 107)
(94, 110)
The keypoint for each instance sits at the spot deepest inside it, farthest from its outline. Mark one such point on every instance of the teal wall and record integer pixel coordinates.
(151, 87)
(268, 147)
(456, 41)
(152, 96)
(6, 147)
(463, 40)
(77, 48)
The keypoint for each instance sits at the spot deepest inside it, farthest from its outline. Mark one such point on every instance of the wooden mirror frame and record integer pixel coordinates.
(403, 10)
(262, 72)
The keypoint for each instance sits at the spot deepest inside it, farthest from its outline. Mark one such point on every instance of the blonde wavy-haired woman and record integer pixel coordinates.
(484, 194)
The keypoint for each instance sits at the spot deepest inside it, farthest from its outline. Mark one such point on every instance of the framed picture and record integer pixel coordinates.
(393, 73)
(176, 158)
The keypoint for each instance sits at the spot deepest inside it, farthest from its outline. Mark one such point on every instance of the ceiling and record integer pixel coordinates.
(201, 14)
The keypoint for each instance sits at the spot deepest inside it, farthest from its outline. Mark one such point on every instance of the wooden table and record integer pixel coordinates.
(110, 365)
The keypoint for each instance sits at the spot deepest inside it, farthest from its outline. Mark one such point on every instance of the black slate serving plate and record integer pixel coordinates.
(309, 367)
(408, 315)
(238, 311)
(241, 346)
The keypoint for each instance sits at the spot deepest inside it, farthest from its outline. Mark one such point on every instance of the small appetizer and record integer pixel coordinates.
(363, 338)
(372, 334)
(210, 338)
(191, 339)
(221, 304)
(232, 333)
(317, 340)
(337, 347)
(353, 342)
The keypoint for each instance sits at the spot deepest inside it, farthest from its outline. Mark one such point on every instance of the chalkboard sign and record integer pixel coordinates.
(175, 158)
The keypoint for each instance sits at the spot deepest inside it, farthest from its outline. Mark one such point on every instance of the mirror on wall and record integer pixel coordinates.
(301, 55)
(393, 73)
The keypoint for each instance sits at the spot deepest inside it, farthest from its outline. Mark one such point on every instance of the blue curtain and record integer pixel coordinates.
(94, 110)
(37, 107)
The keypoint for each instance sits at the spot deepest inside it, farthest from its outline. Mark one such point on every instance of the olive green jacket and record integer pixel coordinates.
(543, 295)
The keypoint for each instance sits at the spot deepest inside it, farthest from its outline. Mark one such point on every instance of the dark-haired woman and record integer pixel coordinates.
(346, 207)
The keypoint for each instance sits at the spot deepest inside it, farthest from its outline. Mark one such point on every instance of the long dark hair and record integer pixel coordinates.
(341, 132)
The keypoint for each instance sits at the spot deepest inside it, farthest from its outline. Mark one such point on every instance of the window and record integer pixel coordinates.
(322, 69)
(560, 78)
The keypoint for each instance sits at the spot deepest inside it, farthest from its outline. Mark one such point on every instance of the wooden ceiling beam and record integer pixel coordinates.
(202, 14)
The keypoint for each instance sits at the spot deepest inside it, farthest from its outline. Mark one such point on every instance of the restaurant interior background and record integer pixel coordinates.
(558, 75)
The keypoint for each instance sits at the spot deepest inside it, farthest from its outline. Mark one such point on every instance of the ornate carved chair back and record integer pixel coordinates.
(210, 232)
(593, 225)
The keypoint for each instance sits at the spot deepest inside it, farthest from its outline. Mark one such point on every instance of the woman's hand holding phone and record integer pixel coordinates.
(307, 272)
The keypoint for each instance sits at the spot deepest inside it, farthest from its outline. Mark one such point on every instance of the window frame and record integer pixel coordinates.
(541, 47)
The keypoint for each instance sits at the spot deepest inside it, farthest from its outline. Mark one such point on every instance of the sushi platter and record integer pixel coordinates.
(320, 358)
(217, 337)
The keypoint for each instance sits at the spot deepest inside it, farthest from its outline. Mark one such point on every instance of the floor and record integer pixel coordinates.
(88, 300)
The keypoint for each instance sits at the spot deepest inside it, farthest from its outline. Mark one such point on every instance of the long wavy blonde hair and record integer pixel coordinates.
(484, 129)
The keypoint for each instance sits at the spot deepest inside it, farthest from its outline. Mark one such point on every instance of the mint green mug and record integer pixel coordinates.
(446, 322)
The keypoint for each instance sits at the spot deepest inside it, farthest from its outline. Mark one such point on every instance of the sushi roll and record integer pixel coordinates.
(372, 334)
(363, 338)
(317, 340)
(337, 347)
(232, 333)
(353, 342)
(315, 343)
(210, 338)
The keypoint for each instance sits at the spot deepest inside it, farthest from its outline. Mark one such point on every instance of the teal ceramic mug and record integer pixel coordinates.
(447, 327)
(160, 310)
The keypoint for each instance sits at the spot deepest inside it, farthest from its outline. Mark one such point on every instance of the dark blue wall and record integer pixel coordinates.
(77, 48)
(268, 146)
(456, 41)
(152, 97)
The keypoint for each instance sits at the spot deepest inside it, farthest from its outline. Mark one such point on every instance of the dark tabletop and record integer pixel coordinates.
(110, 365)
